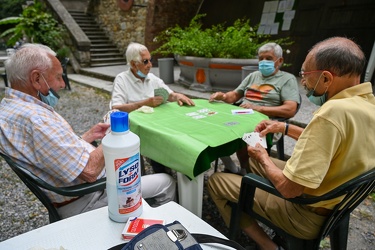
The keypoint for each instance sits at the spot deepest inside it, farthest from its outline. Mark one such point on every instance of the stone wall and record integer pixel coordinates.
(143, 21)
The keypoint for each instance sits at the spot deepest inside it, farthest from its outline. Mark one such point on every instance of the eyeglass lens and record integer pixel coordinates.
(146, 61)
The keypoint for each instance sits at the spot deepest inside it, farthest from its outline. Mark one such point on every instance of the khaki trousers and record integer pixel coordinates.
(295, 219)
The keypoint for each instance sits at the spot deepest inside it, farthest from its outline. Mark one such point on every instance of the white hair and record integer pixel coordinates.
(26, 59)
(133, 52)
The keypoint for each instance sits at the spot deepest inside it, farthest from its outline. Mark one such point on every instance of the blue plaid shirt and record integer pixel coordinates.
(39, 138)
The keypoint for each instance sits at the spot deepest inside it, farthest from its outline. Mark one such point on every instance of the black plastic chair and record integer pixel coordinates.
(36, 185)
(5, 78)
(64, 65)
(336, 224)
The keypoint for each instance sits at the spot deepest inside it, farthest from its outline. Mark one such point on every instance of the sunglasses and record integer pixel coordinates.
(146, 61)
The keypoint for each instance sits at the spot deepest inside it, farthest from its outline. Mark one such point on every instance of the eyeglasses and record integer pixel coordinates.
(303, 73)
(146, 61)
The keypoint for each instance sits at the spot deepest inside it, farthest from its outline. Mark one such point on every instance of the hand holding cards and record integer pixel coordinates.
(163, 93)
(253, 138)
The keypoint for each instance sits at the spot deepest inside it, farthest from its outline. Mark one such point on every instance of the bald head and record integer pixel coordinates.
(338, 55)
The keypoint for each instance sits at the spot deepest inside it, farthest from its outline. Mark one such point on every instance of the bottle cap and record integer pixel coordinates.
(119, 122)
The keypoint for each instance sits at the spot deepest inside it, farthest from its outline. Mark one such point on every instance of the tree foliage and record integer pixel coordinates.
(34, 25)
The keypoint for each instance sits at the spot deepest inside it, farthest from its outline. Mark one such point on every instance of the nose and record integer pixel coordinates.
(303, 81)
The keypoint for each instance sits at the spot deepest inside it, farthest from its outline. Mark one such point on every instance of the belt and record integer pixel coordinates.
(60, 204)
(322, 211)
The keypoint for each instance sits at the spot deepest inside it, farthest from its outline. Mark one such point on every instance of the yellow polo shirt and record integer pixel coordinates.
(337, 145)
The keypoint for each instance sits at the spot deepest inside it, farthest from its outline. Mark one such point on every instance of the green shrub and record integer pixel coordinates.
(239, 40)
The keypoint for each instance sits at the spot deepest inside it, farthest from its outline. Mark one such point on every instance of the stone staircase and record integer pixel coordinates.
(103, 51)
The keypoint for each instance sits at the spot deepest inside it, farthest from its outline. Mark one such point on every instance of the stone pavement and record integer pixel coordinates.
(94, 77)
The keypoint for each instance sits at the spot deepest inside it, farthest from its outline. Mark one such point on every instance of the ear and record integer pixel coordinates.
(133, 64)
(35, 79)
(327, 78)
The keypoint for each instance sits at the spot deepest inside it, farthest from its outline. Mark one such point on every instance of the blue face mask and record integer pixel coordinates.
(140, 74)
(266, 67)
(317, 100)
(52, 98)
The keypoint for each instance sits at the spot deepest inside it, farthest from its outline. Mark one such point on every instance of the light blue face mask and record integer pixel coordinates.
(52, 98)
(140, 74)
(317, 100)
(266, 67)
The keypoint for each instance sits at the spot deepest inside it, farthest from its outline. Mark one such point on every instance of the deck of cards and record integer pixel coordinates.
(134, 225)
(253, 138)
(163, 93)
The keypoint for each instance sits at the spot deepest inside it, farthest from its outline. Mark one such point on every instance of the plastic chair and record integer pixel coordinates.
(5, 78)
(336, 224)
(36, 185)
(64, 65)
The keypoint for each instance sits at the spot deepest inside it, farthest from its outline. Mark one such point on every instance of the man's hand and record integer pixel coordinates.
(182, 99)
(218, 96)
(154, 101)
(269, 126)
(249, 106)
(258, 153)
(96, 132)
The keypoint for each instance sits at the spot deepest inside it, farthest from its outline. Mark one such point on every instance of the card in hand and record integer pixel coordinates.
(253, 138)
(163, 93)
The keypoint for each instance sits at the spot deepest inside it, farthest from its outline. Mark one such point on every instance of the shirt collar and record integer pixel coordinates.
(15, 94)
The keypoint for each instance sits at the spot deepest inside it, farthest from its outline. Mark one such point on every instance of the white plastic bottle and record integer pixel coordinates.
(123, 169)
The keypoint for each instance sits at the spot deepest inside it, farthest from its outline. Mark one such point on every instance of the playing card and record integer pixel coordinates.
(253, 138)
(162, 92)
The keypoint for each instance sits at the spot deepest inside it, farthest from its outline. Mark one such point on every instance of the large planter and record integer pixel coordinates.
(213, 74)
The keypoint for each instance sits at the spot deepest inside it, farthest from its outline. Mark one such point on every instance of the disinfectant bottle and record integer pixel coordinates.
(123, 169)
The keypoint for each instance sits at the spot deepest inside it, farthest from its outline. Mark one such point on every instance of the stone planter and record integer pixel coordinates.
(212, 74)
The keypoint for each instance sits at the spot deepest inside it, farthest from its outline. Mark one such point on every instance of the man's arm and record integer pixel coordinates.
(286, 187)
(268, 126)
(94, 165)
(287, 110)
(228, 97)
(129, 107)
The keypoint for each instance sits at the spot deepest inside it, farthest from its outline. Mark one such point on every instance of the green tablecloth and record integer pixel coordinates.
(188, 138)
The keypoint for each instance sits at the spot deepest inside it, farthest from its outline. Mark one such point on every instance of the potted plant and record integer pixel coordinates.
(212, 58)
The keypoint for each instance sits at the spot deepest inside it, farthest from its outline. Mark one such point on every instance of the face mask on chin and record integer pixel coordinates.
(317, 100)
(140, 74)
(52, 98)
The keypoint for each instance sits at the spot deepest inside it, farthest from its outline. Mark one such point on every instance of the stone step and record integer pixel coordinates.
(96, 33)
(103, 41)
(103, 46)
(99, 55)
(88, 26)
(99, 64)
(103, 51)
(107, 59)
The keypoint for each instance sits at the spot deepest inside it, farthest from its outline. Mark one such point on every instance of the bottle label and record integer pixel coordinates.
(128, 178)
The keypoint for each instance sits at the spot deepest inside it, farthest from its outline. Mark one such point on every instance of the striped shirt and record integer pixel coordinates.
(40, 139)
